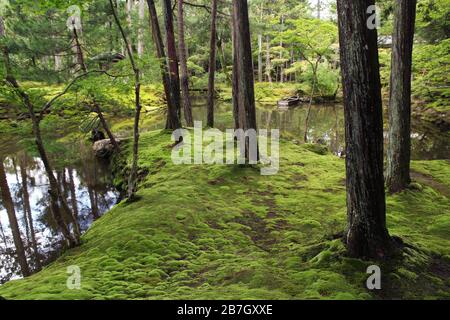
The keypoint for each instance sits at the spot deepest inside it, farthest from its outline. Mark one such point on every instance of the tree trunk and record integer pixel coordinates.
(173, 121)
(399, 150)
(140, 48)
(367, 235)
(9, 206)
(128, 11)
(79, 51)
(235, 79)
(244, 75)
(172, 55)
(132, 179)
(268, 61)
(28, 213)
(260, 60)
(104, 124)
(212, 65)
(187, 107)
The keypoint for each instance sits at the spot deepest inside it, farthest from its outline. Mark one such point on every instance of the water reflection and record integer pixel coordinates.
(326, 126)
(86, 184)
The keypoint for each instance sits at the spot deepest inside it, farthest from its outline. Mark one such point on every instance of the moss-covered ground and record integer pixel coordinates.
(226, 232)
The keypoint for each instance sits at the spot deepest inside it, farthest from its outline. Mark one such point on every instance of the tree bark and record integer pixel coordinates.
(367, 236)
(9, 206)
(235, 79)
(399, 149)
(173, 121)
(244, 75)
(187, 107)
(172, 55)
(212, 65)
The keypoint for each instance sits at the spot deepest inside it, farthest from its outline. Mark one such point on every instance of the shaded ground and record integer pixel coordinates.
(209, 232)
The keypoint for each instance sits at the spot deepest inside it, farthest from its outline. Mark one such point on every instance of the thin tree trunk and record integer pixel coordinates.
(141, 29)
(212, 64)
(27, 211)
(128, 11)
(367, 235)
(132, 180)
(105, 125)
(313, 89)
(172, 54)
(268, 60)
(260, 60)
(399, 150)
(97, 108)
(235, 75)
(187, 107)
(173, 121)
(9, 206)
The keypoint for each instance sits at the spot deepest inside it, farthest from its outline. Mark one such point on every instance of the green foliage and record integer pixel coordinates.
(433, 20)
(431, 82)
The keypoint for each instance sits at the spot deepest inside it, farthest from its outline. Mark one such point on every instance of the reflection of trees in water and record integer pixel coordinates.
(28, 182)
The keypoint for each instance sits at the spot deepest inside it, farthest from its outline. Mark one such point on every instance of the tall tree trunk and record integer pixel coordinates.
(128, 11)
(399, 150)
(260, 60)
(244, 76)
(54, 190)
(28, 213)
(73, 194)
(140, 48)
(9, 206)
(268, 60)
(212, 65)
(132, 180)
(281, 52)
(235, 75)
(172, 55)
(187, 107)
(367, 235)
(173, 121)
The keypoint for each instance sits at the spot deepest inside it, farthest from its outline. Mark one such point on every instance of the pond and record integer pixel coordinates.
(88, 182)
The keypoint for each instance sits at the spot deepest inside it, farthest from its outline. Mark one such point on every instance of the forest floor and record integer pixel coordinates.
(212, 231)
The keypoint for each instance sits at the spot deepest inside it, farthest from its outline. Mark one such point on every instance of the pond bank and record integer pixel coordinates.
(200, 232)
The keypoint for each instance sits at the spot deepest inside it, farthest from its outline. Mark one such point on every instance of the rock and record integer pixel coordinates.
(104, 148)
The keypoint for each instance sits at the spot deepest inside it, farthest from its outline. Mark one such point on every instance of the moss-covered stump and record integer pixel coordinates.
(209, 232)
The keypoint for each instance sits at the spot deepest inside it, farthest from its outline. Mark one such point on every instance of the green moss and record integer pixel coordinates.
(208, 232)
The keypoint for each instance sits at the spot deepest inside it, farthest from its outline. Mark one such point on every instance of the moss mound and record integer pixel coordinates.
(208, 232)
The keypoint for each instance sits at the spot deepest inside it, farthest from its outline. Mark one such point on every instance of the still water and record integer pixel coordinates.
(88, 182)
